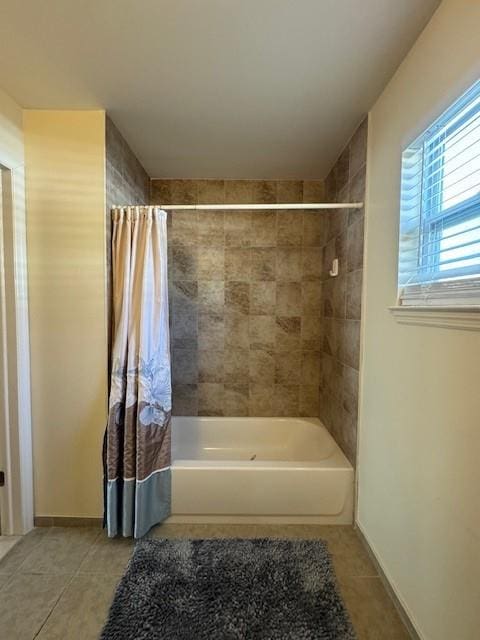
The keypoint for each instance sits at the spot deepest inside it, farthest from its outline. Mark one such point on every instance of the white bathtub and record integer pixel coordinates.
(258, 470)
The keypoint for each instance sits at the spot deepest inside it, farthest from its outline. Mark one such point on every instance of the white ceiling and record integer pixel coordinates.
(213, 88)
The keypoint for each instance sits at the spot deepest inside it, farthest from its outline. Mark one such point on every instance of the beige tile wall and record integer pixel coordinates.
(258, 327)
(341, 296)
(245, 295)
(126, 182)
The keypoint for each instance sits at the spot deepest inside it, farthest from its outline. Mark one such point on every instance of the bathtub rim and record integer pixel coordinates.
(337, 460)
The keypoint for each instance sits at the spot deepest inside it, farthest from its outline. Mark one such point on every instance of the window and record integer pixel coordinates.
(439, 257)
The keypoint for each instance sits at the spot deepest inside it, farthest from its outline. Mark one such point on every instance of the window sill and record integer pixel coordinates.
(465, 317)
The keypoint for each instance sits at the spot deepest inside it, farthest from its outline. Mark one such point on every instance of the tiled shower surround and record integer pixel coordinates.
(341, 296)
(126, 181)
(245, 295)
(258, 326)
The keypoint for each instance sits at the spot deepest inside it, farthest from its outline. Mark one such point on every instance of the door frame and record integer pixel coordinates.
(16, 496)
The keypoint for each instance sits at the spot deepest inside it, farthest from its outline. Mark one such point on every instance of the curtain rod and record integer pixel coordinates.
(239, 207)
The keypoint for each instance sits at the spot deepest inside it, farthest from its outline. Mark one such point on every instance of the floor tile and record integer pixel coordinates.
(16, 556)
(4, 578)
(107, 556)
(7, 543)
(60, 551)
(82, 610)
(349, 556)
(371, 610)
(26, 603)
(355, 565)
(76, 570)
(246, 530)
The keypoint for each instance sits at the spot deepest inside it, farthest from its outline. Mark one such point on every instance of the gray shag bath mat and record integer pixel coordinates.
(228, 589)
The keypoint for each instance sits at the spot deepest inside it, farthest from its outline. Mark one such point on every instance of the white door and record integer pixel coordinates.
(3, 399)
(16, 494)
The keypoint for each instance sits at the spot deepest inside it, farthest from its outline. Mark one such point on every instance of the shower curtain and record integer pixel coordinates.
(137, 439)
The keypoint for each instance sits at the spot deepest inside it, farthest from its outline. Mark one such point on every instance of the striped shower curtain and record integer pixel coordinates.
(137, 439)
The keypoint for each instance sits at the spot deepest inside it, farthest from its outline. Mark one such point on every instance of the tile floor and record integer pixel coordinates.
(57, 583)
(6, 543)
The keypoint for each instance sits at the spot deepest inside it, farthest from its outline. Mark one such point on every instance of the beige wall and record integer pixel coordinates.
(65, 188)
(419, 468)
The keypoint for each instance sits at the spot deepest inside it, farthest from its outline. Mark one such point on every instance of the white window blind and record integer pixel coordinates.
(439, 253)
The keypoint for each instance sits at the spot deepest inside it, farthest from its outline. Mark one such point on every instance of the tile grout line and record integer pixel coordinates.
(17, 570)
(8, 579)
(89, 551)
(67, 585)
